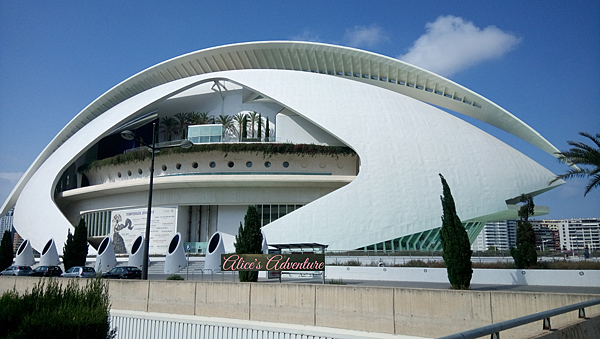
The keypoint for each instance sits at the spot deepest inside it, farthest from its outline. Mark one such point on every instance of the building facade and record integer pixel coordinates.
(352, 158)
(501, 235)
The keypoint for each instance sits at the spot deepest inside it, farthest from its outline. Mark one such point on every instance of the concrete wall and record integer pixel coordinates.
(418, 312)
(590, 278)
(582, 329)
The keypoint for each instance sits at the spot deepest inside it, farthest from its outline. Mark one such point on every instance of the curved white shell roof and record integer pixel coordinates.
(407, 137)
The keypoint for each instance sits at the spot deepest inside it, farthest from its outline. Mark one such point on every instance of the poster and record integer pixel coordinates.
(127, 225)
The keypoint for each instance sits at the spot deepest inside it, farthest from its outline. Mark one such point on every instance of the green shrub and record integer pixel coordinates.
(51, 311)
(175, 277)
(336, 282)
(353, 263)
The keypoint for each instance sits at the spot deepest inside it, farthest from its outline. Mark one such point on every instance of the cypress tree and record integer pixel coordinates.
(249, 240)
(76, 248)
(455, 243)
(68, 250)
(259, 130)
(244, 128)
(524, 254)
(267, 132)
(6, 251)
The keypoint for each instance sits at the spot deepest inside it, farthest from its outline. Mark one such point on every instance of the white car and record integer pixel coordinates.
(79, 272)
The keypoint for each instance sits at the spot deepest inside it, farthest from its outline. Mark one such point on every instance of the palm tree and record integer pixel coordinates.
(583, 155)
(203, 118)
(239, 119)
(184, 120)
(168, 127)
(259, 129)
(227, 122)
(253, 119)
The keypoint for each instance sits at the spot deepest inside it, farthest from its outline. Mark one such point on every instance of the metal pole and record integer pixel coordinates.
(149, 216)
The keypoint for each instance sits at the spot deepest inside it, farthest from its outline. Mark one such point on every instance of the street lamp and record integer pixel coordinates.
(543, 242)
(129, 135)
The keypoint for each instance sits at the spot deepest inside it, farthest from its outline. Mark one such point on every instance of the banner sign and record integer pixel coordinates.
(272, 262)
(128, 224)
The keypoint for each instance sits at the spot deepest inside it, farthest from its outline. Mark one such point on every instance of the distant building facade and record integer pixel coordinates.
(500, 235)
(576, 234)
(6, 222)
(550, 235)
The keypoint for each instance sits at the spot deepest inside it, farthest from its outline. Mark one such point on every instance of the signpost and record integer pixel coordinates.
(273, 263)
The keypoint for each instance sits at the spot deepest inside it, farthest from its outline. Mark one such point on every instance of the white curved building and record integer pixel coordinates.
(380, 192)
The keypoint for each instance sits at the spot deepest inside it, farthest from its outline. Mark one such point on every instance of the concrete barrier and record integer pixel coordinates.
(418, 312)
(445, 311)
(354, 308)
(174, 297)
(283, 303)
(129, 294)
(223, 299)
(580, 329)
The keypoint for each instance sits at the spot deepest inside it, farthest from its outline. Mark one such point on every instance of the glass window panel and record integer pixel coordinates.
(274, 212)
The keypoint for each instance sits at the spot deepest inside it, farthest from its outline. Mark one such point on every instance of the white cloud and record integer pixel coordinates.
(362, 36)
(7, 183)
(307, 35)
(11, 176)
(452, 44)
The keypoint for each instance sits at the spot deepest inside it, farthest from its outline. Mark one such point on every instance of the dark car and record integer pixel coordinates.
(17, 270)
(46, 271)
(123, 272)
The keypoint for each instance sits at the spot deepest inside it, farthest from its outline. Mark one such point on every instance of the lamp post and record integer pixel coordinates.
(129, 135)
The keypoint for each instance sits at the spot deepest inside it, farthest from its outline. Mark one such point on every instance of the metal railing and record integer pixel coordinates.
(212, 274)
(494, 329)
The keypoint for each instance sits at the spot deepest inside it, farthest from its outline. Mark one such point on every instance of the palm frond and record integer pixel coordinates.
(587, 157)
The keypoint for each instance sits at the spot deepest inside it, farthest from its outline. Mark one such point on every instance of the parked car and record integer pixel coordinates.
(46, 271)
(123, 272)
(79, 272)
(17, 270)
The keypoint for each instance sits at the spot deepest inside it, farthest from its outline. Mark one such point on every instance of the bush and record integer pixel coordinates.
(50, 311)
(175, 277)
(336, 282)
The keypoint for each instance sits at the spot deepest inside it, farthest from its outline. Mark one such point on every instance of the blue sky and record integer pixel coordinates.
(539, 60)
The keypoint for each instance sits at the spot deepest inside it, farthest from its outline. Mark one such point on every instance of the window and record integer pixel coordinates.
(212, 164)
(230, 164)
(249, 164)
(201, 134)
(267, 164)
(286, 164)
(270, 213)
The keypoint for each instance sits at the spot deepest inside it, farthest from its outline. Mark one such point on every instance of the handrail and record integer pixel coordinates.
(495, 329)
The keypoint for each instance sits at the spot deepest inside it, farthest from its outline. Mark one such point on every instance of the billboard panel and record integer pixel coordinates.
(127, 225)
